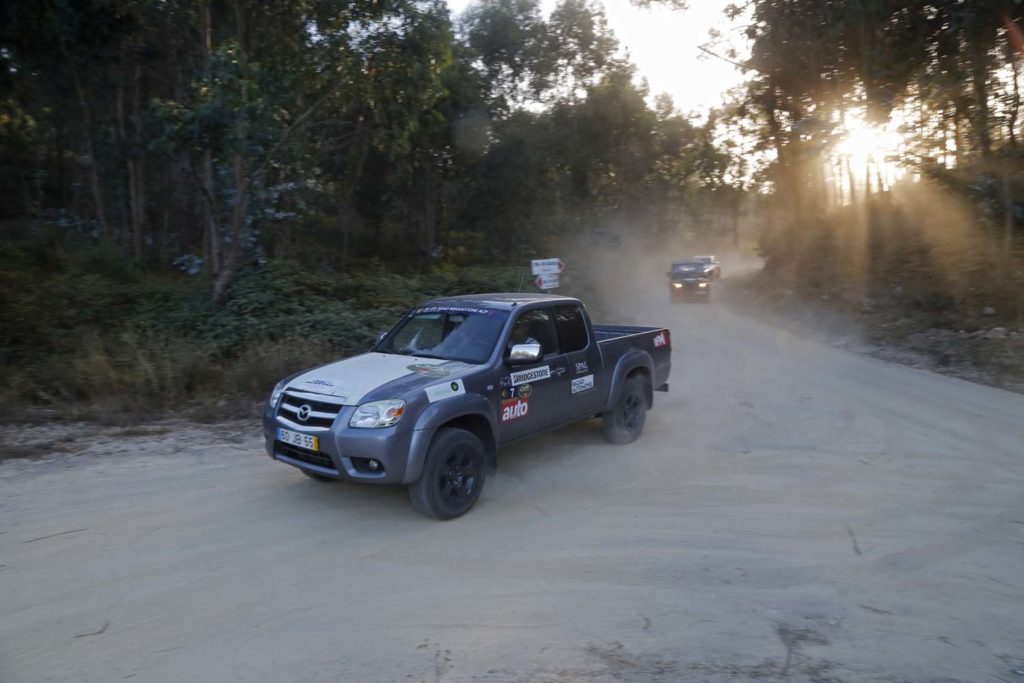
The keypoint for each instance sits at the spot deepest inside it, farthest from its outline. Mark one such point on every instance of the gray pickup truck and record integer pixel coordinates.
(455, 379)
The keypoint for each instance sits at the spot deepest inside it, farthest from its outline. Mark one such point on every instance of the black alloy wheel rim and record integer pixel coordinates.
(458, 477)
(632, 412)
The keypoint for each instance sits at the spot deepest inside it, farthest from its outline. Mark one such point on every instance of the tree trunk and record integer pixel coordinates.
(1011, 122)
(238, 212)
(137, 158)
(979, 83)
(211, 234)
(90, 152)
(1007, 209)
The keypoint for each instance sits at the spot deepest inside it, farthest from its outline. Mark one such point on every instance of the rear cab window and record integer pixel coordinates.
(572, 328)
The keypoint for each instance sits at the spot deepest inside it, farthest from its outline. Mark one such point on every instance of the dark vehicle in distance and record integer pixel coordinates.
(455, 379)
(712, 267)
(688, 279)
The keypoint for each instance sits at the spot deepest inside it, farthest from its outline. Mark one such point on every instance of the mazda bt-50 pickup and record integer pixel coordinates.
(457, 378)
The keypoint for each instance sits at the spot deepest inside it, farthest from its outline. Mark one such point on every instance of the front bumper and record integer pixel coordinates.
(344, 451)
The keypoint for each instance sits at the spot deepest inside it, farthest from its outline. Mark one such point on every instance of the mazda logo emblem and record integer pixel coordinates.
(304, 412)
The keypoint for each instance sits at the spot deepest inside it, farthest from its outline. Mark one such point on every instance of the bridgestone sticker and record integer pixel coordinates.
(534, 375)
(440, 392)
(514, 409)
(582, 384)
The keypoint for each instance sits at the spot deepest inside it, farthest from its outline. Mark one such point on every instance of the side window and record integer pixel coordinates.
(572, 330)
(535, 327)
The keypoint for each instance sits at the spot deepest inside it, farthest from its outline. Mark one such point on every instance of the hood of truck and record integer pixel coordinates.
(353, 379)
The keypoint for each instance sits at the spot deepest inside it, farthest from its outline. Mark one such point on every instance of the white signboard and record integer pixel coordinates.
(547, 281)
(547, 266)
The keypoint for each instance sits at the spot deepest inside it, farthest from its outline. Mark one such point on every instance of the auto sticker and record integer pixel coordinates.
(514, 409)
(660, 340)
(581, 367)
(582, 384)
(533, 375)
(439, 392)
(320, 382)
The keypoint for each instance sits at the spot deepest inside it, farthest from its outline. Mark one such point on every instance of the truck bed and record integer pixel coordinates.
(605, 333)
(616, 341)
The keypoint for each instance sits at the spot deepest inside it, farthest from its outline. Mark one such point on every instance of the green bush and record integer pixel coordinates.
(85, 326)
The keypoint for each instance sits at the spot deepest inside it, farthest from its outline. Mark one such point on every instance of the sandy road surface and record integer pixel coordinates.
(793, 512)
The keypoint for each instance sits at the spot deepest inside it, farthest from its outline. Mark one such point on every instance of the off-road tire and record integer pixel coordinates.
(453, 475)
(626, 421)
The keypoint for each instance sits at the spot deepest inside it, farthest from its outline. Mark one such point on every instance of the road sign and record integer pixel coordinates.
(547, 281)
(547, 266)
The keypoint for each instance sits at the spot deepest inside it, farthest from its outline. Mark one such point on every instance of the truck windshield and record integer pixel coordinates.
(462, 333)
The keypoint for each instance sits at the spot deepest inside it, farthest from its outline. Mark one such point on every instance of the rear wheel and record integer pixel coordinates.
(453, 475)
(625, 423)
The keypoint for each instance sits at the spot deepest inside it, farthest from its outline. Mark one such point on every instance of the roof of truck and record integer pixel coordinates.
(505, 301)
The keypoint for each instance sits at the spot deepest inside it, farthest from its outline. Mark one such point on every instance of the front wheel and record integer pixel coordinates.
(624, 424)
(453, 475)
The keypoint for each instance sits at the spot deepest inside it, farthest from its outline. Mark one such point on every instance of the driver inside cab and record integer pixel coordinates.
(520, 335)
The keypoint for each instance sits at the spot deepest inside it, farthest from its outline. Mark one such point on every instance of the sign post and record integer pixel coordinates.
(547, 266)
(547, 271)
(547, 281)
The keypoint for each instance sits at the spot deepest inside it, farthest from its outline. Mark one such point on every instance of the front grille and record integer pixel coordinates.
(321, 413)
(302, 455)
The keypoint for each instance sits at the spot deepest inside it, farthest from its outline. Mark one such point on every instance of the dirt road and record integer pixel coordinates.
(793, 512)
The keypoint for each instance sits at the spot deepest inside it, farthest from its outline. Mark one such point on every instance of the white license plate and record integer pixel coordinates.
(310, 443)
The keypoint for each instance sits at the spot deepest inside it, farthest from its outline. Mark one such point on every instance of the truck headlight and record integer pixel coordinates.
(677, 285)
(377, 414)
(703, 285)
(276, 393)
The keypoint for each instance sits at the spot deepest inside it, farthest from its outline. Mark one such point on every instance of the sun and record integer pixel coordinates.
(868, 154)
(866, 143)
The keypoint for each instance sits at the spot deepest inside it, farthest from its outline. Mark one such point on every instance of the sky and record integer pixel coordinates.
(663, 45)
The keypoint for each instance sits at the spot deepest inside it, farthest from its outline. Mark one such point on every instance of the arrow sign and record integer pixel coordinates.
(547, 281)
(547, 266)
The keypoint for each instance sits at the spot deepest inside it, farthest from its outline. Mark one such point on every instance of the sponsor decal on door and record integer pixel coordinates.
(440, 392)
(581, 367)
(533, 375)
(514, 409)
(524, 391)
(582, 384)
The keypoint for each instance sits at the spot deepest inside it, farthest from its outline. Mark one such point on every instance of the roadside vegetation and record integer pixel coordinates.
(892, 133)
(201, 196)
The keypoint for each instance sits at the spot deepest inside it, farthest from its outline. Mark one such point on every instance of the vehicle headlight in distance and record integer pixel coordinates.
(276, 393)
(377, 414)
(703, 285)
(677, 285)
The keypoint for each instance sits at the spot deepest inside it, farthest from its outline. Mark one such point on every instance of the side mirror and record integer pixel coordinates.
(524, 354)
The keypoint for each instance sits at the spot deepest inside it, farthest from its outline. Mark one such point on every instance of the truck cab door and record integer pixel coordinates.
(584, 359)
(531, 398)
